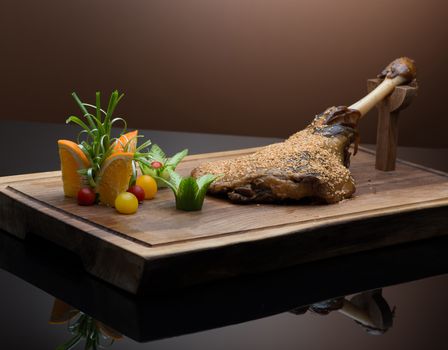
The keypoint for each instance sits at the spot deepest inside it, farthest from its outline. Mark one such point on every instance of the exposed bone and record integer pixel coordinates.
(398, 72)
(312, 163)
(357, 314)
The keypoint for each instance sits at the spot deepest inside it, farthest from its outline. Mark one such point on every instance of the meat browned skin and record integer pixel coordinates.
(312, 163)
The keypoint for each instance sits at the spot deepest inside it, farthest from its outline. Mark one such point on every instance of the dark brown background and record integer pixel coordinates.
(250, 67)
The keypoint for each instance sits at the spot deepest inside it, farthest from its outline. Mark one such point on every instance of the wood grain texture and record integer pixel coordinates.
(387, 128)
(160, 247)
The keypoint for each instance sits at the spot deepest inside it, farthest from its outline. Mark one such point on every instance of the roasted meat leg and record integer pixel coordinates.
(312, 163)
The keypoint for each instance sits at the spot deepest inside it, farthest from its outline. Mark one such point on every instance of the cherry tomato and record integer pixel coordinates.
(138, 192)
(148, 184)
(126, 203)
(156, 165)
(86, 196)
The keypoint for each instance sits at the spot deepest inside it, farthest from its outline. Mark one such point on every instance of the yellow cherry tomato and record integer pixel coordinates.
(126, 203)
(148, 184)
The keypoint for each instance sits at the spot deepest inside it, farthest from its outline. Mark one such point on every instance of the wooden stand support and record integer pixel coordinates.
(387, 132)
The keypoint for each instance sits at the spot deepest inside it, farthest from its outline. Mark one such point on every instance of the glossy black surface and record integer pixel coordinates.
(268, 311)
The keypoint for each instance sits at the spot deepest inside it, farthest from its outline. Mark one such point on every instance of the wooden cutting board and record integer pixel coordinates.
(160, 247)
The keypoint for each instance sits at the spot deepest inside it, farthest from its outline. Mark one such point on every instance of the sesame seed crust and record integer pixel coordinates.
(310, 163)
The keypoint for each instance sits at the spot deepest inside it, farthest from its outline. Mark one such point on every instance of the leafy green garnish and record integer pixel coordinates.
(189, 191)
(85, 327)
(156, 154)
(97, 143)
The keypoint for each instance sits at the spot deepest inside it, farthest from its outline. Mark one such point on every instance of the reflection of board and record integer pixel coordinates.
(160, 247)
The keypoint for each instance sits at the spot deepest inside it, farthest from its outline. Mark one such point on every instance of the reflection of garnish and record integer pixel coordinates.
(157, 164)
(85, 327)
(96, 334)
(189, 192)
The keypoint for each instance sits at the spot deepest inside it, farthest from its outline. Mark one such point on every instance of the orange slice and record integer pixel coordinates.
(72, 160)
(108, 331)
(62, 312)
(130, 137)
(114, 177)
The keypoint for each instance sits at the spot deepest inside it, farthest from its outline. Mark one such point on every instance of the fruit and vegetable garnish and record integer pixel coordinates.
(158, 165)
(100, 168)
(96, 335)
(189, 191)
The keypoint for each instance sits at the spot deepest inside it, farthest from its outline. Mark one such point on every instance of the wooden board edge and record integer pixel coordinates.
(141, 269)
(179, 270)
(213, 242)
(97, 252)
(200, 243)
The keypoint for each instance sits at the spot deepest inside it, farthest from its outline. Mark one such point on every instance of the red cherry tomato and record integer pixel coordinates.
(156, 165)
(86, 196)
(137, 191)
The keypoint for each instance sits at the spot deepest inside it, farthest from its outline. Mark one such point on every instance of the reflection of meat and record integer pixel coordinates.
(368, 309)
(312, 163)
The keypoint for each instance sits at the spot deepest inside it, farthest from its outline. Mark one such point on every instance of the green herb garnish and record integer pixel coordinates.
(86, 328)
(155, 163)
(189, 191)
(97, 143)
